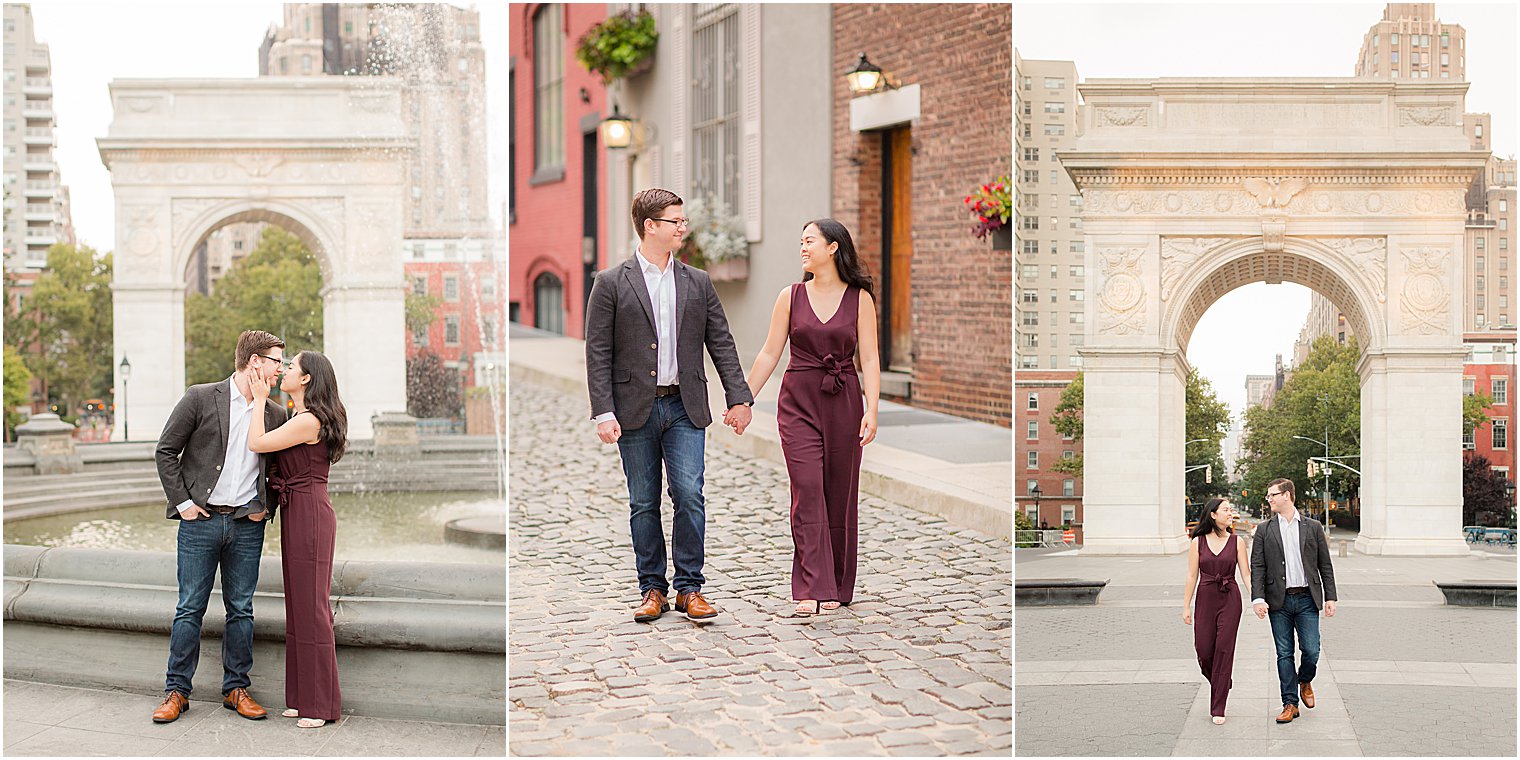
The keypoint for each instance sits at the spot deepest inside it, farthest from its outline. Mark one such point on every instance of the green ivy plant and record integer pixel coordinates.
(617, 47)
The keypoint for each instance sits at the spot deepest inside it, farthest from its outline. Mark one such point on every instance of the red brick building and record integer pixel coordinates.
(1491, 371)
(1037, 446)
(467, 277)
(945, 296)
(556, 171)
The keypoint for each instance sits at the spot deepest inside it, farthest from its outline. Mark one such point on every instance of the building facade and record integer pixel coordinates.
(36, 202)
(1491, 371)
(558, 168)
(1410, 42)
(1044, 495)
(466, 332)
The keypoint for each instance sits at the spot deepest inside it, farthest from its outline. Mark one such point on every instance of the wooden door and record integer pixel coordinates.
(897, 238)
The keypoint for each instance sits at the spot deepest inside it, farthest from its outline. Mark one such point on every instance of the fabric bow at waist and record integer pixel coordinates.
(1226, 582)
(834, 370)
(285, 485)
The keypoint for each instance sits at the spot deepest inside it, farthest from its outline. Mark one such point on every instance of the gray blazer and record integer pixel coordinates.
(621, 358)
(1269, 567)
(194, 442)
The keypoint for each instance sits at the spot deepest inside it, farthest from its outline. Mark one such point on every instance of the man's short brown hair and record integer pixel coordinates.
(255, 342)
(1284, 485)
(648, 203)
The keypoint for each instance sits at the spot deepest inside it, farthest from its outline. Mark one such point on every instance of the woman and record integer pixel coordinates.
(306, 446)
(830, 319)
(1214, 554)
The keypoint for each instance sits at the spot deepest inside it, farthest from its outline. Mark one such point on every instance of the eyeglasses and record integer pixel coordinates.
(679, 223)
(1270, 494)
(282, 362)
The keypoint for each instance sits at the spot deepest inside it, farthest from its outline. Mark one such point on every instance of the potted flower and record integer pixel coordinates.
(715, 241)
(622, 46)
(992, 205)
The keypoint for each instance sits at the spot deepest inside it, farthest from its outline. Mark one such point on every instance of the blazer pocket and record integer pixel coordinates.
(622, 375)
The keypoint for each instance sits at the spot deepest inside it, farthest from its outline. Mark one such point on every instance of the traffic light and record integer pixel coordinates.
(1208, 474)
(1311, 468)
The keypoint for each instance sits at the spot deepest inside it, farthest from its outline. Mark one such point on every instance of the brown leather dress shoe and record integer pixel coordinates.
(1288, 714)
(654, 606)
(695, 607)
(1306, 694)
(168, 711)
(238, 699)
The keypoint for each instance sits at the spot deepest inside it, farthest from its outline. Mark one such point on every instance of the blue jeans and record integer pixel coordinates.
(204, 545)
(1298, 614)
(667, 439)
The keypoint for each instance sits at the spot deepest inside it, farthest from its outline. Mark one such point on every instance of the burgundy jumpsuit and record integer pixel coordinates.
(308, 527)
(1217, 619)
(818, 417)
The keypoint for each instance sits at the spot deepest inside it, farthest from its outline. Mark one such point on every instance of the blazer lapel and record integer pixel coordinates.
(683, 291)
(634, 274)
(223, 415)
(1305, 543)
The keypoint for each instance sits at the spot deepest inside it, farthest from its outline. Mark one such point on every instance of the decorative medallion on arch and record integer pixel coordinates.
(1195, 187)
(322, 158)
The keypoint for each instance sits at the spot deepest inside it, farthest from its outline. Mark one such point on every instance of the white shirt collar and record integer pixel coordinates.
(237, 395)
(649, 267)
(1297, 516)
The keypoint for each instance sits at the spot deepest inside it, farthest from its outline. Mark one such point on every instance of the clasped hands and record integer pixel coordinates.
(1261, 609)
(738, 417)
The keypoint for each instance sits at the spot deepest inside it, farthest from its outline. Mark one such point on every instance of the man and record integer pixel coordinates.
(646, 324)
(1291, 572)
(218, 491)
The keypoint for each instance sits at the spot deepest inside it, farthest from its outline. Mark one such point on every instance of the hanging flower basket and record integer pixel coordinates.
(620, 47)
(715, 241)
(992, 205)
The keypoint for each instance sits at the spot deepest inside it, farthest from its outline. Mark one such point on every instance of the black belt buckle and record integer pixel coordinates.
(221, 510)
(661, 391)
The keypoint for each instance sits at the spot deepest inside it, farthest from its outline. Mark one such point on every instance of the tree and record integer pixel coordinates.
(1483, 499)
(1208, 419)
(18, 388)
(432, 390)
(277, 287)
(1323, 394)
(1067, 419)
(1475, 411)
(70, 321)
(421, 312)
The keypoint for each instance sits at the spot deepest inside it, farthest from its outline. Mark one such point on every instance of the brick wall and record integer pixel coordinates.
(961, 56)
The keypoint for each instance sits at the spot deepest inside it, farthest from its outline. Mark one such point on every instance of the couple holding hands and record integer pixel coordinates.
(647, 323)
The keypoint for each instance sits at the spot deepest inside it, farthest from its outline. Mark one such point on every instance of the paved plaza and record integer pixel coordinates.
(918, 665)
(1400, 673)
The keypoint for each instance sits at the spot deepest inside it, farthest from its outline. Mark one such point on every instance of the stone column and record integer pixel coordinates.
(149, 330)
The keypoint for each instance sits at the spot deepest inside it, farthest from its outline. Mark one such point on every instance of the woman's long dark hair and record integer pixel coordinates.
(323, 402)
(1206, 525)
(846, 261)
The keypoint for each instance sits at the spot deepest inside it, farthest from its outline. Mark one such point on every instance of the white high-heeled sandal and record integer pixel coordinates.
(1218, 720)
(291, 713)
(310, 723)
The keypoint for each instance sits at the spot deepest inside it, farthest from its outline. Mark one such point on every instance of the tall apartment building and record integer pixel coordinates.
(1049, 262)
(449, 248)
(36, 202)
(1411, 43)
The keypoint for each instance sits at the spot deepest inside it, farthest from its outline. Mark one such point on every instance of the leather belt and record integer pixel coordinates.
(661, 391)
(1298, 590)
(220, 509)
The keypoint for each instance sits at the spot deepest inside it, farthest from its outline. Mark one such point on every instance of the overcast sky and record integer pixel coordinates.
(1243, 332)
(92, 44)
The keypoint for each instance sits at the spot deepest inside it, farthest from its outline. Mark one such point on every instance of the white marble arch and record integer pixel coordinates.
(1193, 188)
(321, 158)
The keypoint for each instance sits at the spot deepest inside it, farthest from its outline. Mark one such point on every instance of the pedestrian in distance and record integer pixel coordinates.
(1294, 580)
(827, 409)
(1214, 556)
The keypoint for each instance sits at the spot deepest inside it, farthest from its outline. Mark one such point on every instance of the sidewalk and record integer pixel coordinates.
(48, 720)
(1400, 672)
(958, 469)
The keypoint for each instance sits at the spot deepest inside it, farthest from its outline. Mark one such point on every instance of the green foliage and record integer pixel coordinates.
(616, 47)
(1067, 418)
(69, 321)
(18, 388)
(1209, 419)
(1323, 393)
(421, 312)
(277, 287)
(1475, 411)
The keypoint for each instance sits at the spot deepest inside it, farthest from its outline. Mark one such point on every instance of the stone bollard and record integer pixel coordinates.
(1343, 547)
(50, 441)
(395, 434)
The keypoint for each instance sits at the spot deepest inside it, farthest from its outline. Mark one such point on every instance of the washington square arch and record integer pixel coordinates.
(1351, 187)
(321, 157)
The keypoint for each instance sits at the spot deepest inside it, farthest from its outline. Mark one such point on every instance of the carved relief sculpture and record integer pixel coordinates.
(1121, 303)
(1178, 256)
(1368, 256)
(1425, 301)
(1136, 116)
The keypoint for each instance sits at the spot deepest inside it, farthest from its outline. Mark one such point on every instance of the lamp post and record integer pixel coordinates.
(126, 374)
(1326, 444)
(1035, 492)
(1509, 496)
(617, 130)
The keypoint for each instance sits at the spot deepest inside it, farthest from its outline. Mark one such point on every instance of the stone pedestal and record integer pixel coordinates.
(395, 435)
(50, 441)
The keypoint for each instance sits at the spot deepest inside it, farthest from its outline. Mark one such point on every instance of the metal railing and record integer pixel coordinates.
(1030, 539)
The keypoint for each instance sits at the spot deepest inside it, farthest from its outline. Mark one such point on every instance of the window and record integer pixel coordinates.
(716, 154)
(1393, 39)
(1075, 223)
(1503, 224)
(1031, 272)
(1374, 40)
(1503, 245)
(1078, 270)
(1394, 57)
(1032, 430)
(1503, 283)
(1481, 243)
(1055, 223)
(1055, 83)
(1479, 281)
(1054, 130)
(1028, 83)
(1468, 441)
(1503, 205)
(1031, 340)
(1078, 317)
(1395, 71)
(1030, 319)
(1032, 460)
(305, 64)
(1501, 354)
(1478, 130)
(1478, 263)
(1075, 201)
(1068, 454)
(1031, 175)
(1478, 302)
(1076, 246)
(1445, 41)
(1374, 59)
(348, 27)
(1075, 295)
(548, 89)
(1076, 362)
(1031, 154)
(1052, 106)
(1029, 362)
(1479, 319)
(1068, 514)
(1445, 59)
(1501, 433)
(1031, 247)
(1068, 489)
(420, 285)
(1031, 296)
(1054, 273)
(451, 330)
(1034, 402)
(1500, 390)
(1029, 222)
(1504, 300)
(451, 287)
(1027, 110)
(488, 330)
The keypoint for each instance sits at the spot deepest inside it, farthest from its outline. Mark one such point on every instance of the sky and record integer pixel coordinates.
(94, 43)
(1243, 332)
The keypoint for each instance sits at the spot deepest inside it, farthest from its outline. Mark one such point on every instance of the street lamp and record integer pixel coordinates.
(617, 130)
(1035, 492)
(1326, 444)
(867, 77)
(1509, 496)
(126, 374)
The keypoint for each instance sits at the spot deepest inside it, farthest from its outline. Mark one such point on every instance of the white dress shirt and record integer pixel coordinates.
(1293, 553)
(238, 482)
(662, 297)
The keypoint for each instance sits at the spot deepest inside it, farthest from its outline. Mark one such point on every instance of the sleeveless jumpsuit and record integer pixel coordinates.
(1217, 618)
(308, 528)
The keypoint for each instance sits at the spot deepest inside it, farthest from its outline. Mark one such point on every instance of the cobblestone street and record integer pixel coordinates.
(920, 664)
